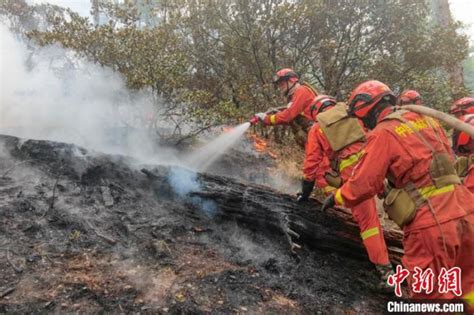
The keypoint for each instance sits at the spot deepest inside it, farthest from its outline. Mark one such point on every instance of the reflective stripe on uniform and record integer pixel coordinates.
(273, 119)
(329, 188)
(369, 232)
(351, 160)
(431, 191)
(338, 198)
(469, 298)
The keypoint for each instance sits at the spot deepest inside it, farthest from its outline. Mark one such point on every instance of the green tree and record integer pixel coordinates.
(211, 61)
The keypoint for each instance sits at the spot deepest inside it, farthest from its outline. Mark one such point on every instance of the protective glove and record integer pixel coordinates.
(306, 189)
(261, 116)
(329, 202)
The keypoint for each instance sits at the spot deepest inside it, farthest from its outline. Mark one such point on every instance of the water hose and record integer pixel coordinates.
(448, 119)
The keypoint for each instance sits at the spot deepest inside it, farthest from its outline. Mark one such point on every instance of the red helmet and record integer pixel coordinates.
(410, 97)
(320, 103)
(462, 106)
(364, 97)
(286, 74)
(462, 139)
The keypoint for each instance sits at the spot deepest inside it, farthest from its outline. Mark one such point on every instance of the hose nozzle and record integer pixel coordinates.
(254, 120)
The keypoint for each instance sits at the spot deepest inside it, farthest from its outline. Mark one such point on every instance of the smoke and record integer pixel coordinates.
(51, 94)
(184, 182)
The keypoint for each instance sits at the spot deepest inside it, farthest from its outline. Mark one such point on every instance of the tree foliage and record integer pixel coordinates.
(212, 60)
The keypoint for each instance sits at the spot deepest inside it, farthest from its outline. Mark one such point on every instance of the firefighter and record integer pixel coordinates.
(462, 107)
(299, 95)
(336, 139)
(409, 97)
(424, 196)
(463, 146)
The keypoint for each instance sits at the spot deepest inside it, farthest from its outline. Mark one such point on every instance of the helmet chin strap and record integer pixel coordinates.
(288, 88)
(370, 121)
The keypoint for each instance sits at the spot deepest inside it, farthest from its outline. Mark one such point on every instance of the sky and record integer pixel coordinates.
(462, 11)
(80, 6)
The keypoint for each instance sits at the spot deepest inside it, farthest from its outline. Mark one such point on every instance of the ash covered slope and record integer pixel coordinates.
(82, 231)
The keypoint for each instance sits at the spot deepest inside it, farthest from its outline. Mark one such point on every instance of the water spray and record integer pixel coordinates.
(202, 158)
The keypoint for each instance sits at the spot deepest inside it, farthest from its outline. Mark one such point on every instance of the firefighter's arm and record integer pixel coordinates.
(368, 176)
(324, 164)
(302, 98)
(316, 163)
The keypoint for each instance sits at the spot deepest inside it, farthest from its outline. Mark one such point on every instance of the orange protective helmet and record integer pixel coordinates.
(286, 74)
(320, 103)
(462, 138)
(409, 97)
(462, 106)
(364, 97)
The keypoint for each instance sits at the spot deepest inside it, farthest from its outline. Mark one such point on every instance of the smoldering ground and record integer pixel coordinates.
(150, 248)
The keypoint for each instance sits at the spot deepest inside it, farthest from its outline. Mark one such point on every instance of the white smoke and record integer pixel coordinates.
(51, 94)
(184, 182)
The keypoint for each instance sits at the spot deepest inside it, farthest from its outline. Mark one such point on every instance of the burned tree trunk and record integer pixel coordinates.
(254, 207)
(261, 209)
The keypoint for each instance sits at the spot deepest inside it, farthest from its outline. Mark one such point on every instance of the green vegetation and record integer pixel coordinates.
(211, 61)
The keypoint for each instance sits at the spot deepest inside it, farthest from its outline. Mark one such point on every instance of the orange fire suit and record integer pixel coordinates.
(444, 238)
(469, 179)
(299, 104)
(316, 165)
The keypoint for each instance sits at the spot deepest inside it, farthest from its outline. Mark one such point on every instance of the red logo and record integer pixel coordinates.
(423, 280)
(450, 280)
(397, 279)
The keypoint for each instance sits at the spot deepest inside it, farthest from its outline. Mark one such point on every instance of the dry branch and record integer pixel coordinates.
(17, 269)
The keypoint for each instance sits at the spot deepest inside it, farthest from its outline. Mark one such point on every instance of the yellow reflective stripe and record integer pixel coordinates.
(431, 191)
(351, 160)
(273, 119)
(329, 188)
(338, 198)
(370, 232)
(469, 298)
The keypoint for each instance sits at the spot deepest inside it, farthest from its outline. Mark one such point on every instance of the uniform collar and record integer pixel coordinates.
(387, 111)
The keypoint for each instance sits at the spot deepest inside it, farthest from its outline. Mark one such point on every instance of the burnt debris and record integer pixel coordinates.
(93, 232)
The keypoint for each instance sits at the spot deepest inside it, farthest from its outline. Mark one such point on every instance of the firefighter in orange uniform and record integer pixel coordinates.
(463, 146)
(337, 139)
(409, 97)
(462, 107)
(424, 195)
(299, 95)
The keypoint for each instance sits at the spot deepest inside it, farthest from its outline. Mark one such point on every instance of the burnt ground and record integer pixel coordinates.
(87, 232)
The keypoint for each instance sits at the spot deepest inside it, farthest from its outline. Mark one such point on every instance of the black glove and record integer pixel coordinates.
(306, 189)
(329, 202)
